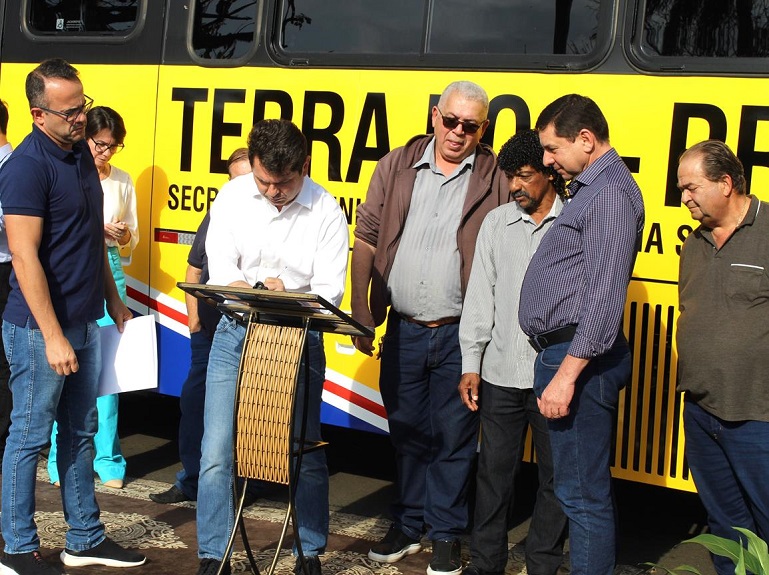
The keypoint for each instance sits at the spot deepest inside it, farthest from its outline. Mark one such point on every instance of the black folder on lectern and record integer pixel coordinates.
(280, 308)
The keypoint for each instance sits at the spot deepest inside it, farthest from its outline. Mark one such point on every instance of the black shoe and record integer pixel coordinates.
(173, 495)
(473, 570)
(313, 565)
(447, 558)
(26, 564)
(394, 546)
(106, 553)
(211, 567)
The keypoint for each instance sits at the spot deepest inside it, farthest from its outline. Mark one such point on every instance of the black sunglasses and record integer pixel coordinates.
(450, 123)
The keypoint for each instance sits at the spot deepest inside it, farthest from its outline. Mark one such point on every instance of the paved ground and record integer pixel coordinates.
(652, 520)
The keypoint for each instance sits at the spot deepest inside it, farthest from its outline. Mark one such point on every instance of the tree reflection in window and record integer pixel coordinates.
(224, 29)
(707, 28)
(352, 27)
(440, 26)
(83, 16)
(514, 26)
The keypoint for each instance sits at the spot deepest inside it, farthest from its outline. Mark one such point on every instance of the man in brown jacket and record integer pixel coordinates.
(414, 244)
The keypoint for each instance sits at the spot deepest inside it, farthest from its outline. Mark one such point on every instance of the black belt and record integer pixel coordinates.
(431, 324)
(561, 335)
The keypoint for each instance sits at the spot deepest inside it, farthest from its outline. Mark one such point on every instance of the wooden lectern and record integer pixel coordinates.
(265, 442)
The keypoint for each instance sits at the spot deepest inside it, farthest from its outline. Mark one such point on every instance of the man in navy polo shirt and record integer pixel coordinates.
(52, 201)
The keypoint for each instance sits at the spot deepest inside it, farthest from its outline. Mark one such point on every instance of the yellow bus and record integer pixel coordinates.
(359, 77)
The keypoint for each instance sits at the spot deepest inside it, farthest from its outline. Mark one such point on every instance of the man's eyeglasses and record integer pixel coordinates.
(73, 113)
(450, 123)
(102, 147)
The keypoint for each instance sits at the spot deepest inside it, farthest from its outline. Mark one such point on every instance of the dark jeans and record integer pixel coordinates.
(6, 400)
(505, 414)
(729, 461)
(433, 433)
(192, 403)
(581, 444)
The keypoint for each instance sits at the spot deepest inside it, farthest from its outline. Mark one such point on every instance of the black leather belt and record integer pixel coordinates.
(431, 324)
(561, 335)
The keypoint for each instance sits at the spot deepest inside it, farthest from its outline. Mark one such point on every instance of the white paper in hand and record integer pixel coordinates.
(129, 359)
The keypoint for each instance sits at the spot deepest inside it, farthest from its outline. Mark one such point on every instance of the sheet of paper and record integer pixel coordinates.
(129, 359)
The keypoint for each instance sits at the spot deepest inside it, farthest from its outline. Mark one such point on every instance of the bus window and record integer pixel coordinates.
(341, 26)
(569, 34)
(707, 28)
(701, 36)
(224, 30)
(83, 17)
(516, 27)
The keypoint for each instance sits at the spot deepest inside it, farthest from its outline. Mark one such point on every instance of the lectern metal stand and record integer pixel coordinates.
(266, 447)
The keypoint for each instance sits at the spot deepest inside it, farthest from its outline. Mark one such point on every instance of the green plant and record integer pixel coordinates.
(752, 558)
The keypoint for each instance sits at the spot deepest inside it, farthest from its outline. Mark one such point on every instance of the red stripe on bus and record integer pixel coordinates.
(355, 398)
(156, 305)
(166, 236)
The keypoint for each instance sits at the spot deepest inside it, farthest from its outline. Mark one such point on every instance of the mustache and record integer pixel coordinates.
(521, 194)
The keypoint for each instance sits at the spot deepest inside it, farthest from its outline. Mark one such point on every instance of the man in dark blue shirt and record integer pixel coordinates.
(572, 300)
(52, 201)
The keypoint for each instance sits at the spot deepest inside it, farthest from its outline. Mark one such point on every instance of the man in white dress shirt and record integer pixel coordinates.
(281, 229)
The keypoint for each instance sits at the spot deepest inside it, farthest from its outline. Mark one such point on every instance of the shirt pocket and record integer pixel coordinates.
(745, 282)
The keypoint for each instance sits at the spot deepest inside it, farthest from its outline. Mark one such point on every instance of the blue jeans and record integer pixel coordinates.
(729, 461)
(582, 444)
(506, 412)
(215, 516)
(108, 462)
(191, 403)
(39, 397)
(433, 433)
(6, 401)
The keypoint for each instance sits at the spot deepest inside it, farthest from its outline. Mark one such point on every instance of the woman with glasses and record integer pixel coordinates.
(105, 133)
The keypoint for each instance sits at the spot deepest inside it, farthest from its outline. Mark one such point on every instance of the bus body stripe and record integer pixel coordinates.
(156, 305)
(355, 398)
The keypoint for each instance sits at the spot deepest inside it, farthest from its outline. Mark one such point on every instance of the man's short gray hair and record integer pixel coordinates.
(468, 90)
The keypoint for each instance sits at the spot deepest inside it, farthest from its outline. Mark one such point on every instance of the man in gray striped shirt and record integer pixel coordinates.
(498, 365)
(414, 244)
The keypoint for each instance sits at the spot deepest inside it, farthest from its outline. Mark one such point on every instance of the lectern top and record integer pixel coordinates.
(276, 307)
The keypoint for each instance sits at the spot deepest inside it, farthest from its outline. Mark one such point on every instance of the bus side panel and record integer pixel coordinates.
(353, 117)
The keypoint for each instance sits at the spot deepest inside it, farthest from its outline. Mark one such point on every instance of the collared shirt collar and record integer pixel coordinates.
(303, 199)
(428, 159)
(593, 170)
(750, 217)
(52, 147)
(752, 213)
(520, 214)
